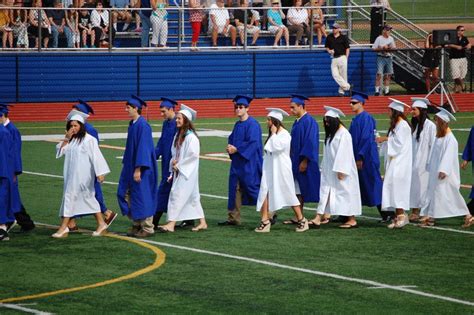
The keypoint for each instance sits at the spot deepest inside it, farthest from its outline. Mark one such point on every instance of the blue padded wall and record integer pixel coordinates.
(8, 79)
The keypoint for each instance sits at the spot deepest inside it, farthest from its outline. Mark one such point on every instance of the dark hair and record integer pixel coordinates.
(419, 122)
(80, 134)
(5, 115)
(331, 125)
(395, 114)
(459, 27)
(276, 123)
(183, 130)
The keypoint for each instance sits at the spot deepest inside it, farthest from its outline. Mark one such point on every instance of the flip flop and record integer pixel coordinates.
(162, 229)
(325, 221)
(348, 226)
(313, 225)
(290, 221)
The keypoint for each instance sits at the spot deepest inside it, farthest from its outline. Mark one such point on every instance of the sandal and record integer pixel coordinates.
(468, 222)
(313, 225)
(302, 225)
(325, 221)
(264, 227)
(290, 221)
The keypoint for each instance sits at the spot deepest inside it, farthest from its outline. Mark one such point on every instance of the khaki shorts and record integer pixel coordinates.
(250, 29)
(458, 68)
(222, 31)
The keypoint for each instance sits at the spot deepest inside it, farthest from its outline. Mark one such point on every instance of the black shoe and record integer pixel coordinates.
(4, 235)
(386, 93)
(27, 228)
(227, 223)
(185, 224)
(340, 219)
(377, 94)
(274, 219)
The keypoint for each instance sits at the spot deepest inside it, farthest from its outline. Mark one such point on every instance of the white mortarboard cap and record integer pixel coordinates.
(77, 115)
(276, 113)
(420, 102)
(445, 115)
(187, 111)
(397, 105)
(333, 112)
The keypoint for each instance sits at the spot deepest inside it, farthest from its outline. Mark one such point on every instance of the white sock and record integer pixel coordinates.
(387, 89)
(125, 26)
(377, 89)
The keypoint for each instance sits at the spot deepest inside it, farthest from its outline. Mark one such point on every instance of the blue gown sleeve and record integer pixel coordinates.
(467, 153)
(364, 140)
(18, 167)
(144, 146)
(310, 149)
(247, 149)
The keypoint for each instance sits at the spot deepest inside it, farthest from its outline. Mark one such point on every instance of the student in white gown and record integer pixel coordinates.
(82, 164)
(277, 188)
(185, 200)
(397, 147)
(339, 192)
(443, 199)
(423, 137)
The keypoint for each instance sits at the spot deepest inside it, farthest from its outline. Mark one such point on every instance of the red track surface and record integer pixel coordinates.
(215, 108)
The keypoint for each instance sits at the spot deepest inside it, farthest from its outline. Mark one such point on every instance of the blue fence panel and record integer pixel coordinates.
(8, 79)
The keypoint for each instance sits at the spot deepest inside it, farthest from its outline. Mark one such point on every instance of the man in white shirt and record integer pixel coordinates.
(219, 23)
(383, 45)
(298, 21)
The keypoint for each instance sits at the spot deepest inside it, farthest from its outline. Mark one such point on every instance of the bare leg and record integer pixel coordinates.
(277, 37)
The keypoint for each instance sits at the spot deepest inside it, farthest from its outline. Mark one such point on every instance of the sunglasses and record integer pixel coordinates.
(239, 107)
(354, 102)
(462, 30)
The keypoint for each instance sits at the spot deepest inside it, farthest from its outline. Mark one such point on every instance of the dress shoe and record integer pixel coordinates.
(185, 224)
(4, 235)
(143, 234)
(133, 230)
(62, 234)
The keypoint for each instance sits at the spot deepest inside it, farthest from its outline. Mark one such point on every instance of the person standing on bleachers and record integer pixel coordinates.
(337, 45)
(195, 18)
(159, 24)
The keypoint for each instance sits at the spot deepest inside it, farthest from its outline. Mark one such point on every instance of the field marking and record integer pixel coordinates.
(159, 260)
(225, 198)
(24, 309)
(370, 283)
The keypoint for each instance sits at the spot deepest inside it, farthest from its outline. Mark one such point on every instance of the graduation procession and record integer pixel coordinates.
(272, 169)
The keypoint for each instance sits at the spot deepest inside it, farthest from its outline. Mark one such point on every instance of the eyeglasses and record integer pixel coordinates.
(239, 107)
(354, 102)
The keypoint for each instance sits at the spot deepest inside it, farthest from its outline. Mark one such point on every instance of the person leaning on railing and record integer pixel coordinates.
(34, 29)
(458, 60)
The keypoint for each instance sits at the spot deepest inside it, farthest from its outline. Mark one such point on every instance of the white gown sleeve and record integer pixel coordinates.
(61, 151)
(189, 156)
(342, 161)
(278, 142)
(97, 159)
(395, 140)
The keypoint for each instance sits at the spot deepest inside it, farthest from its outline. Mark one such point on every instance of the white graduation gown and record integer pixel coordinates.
(82, 164)
(339, 197)
(398, 166)
(443, 199)
(277, 177)
(185, 201)
(421, 154)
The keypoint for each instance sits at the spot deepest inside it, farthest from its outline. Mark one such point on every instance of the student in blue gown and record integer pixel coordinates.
(363, 130)
(467, 157)
(304, 153)
(245, 150)
(6, 183)
(138, 181)
(22, 217)
(163, 150)
(109, 215)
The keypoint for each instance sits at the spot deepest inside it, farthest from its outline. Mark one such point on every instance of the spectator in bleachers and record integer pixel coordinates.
(20, 27)
(45, 28)
(195, 18)
(239, 20)
(318, 19)
(159, 24)
(72, 21)
(383, 45)
(135, 14)
(430, 62)
(145, 18)
(219, 23)
(298, 21)
(458, 60)
(122, 14)
(57, 19)
(337, 45)
(5, 28)
(85, 27)
(378, 15)
(275, 18)
(100, 25)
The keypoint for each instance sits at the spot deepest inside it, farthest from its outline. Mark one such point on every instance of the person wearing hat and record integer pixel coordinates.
(83, 163)
(137, 187)
(277, 187)
(467, 157)
(443, 199)
(109, 215)
(423, 137)
(245, 150)
(185, 200)
(397, 148)
(304, 153)
(6, 183)
(382, 46)
(363, 129)
(163, 150)
(275, 25)
(21, 216)
(340, 193)
(337, 45)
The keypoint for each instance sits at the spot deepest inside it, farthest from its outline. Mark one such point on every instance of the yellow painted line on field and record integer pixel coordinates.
(159, 260)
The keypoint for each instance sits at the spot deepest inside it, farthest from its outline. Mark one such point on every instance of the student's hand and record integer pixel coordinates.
(137, 175)
(441, 175)
(175, 165)
(340, 176)
(169, 179)
(14, 178)
(69, 134)
(231, 149)
(331, 52)
(100, 178)
(380, 139)
(359, 164)
(303, 166)
(464, 164)
(273, 129)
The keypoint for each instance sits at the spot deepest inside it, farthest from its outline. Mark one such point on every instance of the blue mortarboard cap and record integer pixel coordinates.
(4, 108)
(298, 99)
(137, 102)
(168, 102)
(242, 100)
(82, 106)
(359, 97)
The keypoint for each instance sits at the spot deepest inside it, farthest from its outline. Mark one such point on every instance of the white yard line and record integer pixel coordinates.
(24, 309)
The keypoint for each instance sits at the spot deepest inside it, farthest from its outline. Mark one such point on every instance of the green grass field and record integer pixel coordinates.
(230, 270)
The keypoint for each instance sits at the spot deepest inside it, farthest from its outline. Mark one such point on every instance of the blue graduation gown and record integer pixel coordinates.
(16, 165)
(305, 144)
(468, 152)
(246, 165)
(6, 176)
(139, 152)
(163, 149)
(99, 196)
(362, 131)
